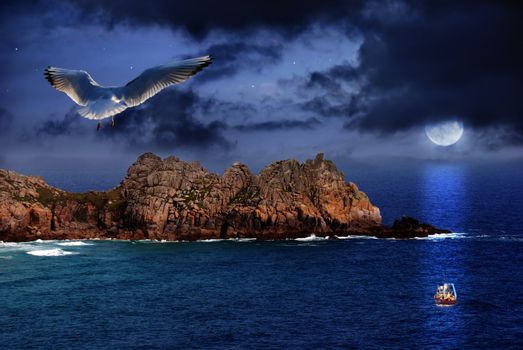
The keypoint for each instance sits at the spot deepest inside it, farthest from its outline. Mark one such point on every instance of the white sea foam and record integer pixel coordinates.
(356, 237)
(311, 238)
(243, 239)
(9, 246)
(49, 252)
(210, 240)
(45, 241)
(452, 235)
(74, 244)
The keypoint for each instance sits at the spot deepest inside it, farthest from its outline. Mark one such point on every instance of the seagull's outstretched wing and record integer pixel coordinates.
(155, 79)
(77, 84)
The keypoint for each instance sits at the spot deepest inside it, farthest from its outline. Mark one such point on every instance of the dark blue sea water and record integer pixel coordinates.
(352, 293)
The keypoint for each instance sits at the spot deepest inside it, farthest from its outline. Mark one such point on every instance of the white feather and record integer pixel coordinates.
(154, 80)
(77, 84)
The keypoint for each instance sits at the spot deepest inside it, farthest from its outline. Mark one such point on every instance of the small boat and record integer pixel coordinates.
(446, 295)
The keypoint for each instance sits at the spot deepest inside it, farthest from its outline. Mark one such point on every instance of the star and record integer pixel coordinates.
(293, 62)
(16, 48)
(131, 67)
(252, 85)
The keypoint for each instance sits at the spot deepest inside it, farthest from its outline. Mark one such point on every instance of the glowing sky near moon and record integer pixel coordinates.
(446, 133)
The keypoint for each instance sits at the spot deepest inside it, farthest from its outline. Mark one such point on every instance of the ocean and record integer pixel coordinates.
(357, 292)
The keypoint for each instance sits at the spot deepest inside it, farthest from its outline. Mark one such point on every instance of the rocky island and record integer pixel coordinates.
(170, 199)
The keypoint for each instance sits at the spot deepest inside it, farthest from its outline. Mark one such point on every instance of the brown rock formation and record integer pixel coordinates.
(175, 200)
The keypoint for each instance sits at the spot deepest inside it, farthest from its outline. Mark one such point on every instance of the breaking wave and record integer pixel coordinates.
(74, 244)
(356, 237)
(226, 240)
(9, 246)
(311, 238)
(437, 236)
(243, 239)
(50, 252)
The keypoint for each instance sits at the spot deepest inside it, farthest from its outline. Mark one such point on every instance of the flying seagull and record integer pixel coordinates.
(99, 102)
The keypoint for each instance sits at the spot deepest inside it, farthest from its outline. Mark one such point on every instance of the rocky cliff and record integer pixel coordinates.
(171, 199)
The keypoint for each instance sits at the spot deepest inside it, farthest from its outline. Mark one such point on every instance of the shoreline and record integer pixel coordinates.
(310, 238)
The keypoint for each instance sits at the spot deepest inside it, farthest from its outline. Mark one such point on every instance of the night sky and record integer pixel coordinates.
(357, 80)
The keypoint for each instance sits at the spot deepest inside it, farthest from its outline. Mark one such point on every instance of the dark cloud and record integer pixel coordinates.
(326, 92)
(284, 124)
(465, 63)
(166, 122)
(199, 17)
(326, 106)
(419, 62)
(69, 125)
(323, 81)
(219, 108)
(447, 61)
(230, 58)
(330, 79)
